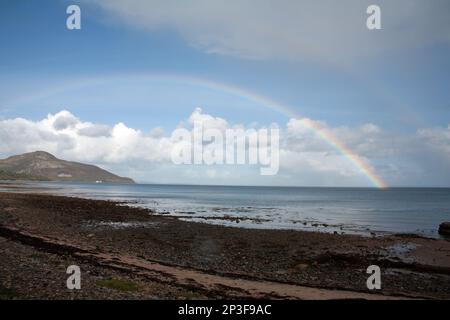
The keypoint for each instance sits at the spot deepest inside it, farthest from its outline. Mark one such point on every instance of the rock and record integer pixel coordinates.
(444, 228)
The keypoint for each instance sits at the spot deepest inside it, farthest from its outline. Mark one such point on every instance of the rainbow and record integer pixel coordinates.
(321, 132)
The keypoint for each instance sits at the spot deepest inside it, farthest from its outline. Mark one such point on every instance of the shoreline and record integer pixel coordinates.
(249, 217)
(412, 266)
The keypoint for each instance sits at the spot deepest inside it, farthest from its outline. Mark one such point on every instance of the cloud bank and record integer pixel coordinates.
(417, 159)
(325, 30)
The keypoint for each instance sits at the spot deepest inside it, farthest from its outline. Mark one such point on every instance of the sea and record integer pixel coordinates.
(366, 211)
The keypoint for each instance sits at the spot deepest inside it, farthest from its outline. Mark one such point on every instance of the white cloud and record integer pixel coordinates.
(419, 158)
(64, 120)
(95, 130)
(65, 135)
(207, 121)
(325, 30)
(437, 138)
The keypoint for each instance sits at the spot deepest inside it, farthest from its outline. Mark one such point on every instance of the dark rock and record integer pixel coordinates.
(444, 228)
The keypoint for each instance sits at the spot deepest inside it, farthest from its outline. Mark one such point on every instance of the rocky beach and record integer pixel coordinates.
(131, 253)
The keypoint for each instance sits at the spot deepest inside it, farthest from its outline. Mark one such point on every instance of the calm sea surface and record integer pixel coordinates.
(348, 210)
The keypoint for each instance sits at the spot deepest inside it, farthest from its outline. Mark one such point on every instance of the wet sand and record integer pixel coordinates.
(164, 257)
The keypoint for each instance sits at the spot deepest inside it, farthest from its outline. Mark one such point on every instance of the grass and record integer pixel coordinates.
(118, 284)
(6, 175)
(37, 255)
(193, 296)
(6, 293)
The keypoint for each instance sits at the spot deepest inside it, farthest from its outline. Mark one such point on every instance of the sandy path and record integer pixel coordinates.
(183, 276)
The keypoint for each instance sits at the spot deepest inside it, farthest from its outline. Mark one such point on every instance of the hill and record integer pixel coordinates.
(44, 166)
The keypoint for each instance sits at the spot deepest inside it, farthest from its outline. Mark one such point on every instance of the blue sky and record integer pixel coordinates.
(338, 72)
